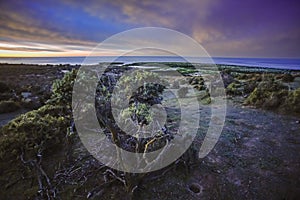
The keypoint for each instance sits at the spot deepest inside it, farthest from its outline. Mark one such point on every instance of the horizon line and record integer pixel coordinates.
(12, 57)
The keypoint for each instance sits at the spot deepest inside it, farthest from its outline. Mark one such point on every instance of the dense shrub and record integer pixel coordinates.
(235, 88)
(62, 89)
(274, 95)
(292, 102)
(266, 93)
(42, 129)
(34, 131)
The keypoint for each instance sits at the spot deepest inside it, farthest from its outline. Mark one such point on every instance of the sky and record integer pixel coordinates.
(225, 28)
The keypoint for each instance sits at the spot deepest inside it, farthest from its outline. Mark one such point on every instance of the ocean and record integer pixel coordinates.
(276, 63)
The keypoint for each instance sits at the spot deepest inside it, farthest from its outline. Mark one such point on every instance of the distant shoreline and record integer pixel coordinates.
(273, 63)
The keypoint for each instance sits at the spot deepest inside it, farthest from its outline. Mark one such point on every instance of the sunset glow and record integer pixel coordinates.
(225, 28)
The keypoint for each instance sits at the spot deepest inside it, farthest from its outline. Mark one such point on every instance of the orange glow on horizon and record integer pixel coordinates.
(50, 54)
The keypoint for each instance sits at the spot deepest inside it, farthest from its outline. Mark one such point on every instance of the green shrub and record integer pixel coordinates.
(42, 129)
(234, 88)
(268, 94)
(8, 106)
(62, 89)
(140, 112)
(273, 95)
(292, 102)
(33, 131)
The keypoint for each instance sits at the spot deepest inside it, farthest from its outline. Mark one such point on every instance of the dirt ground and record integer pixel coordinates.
(256, 157)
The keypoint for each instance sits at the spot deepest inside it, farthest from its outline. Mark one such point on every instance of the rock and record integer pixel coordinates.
(25, 95)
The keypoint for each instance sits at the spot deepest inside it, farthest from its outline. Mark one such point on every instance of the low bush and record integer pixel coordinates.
(274, 95)
(42, 129)
(292, 102)
(62, 89)
(34, 131)
(235, 88)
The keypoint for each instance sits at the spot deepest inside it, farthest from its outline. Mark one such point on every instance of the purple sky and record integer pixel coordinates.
(248, 28)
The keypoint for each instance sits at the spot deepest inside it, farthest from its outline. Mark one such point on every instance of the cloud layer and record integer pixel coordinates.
(249, 28)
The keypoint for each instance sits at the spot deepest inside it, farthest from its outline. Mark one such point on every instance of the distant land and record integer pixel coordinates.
(277, 63)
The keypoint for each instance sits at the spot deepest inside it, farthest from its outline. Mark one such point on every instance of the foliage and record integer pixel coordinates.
(244, 84)
(140, 101)
(234, 88)
(147, 90)
(39, 129)
(41, 132)
(198, 83)
(34, 131)
(141, 89)
(265, 94)
(33, 137)
(292, 102)
(62, 89)
(273, 95)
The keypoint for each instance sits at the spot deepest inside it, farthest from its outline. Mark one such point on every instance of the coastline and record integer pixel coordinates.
(275, 63)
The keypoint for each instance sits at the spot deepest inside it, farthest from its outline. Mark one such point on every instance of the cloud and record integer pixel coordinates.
(29, 49)
(168, 13)
(20, 25)
(223, 27)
